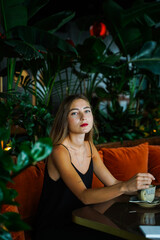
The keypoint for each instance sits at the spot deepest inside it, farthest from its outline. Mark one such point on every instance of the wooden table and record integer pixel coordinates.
(118, 217)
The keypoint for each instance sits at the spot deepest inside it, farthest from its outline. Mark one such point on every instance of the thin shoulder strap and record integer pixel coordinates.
(67, 150)
(90, 148)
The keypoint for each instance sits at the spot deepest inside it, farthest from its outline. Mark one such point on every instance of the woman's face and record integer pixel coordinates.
(80, 118)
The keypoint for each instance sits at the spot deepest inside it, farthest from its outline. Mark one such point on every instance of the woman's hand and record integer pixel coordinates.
(138, 182)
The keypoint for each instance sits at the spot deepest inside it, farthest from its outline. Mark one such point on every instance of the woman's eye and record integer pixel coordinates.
(74, 113)
(87, 111)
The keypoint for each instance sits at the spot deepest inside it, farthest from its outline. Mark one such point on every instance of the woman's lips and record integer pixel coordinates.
(84, 125)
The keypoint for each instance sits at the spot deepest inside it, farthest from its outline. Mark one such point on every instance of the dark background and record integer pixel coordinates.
(81, 8)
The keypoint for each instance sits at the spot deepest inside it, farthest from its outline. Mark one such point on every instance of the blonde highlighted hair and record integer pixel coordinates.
(60, 126)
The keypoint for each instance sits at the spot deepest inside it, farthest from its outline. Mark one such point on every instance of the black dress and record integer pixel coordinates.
(56, 205)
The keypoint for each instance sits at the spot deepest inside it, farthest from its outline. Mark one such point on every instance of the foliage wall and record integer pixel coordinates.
(55, 64)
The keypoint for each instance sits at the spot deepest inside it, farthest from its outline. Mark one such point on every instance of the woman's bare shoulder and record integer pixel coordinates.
(94, 149)
(59, 151)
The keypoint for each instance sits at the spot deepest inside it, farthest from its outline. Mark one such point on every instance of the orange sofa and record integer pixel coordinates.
(123, 160)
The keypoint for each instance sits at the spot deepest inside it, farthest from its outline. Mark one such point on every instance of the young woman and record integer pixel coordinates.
(69, 170)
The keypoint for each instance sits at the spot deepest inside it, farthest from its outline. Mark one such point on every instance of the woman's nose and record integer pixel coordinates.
(83, 116)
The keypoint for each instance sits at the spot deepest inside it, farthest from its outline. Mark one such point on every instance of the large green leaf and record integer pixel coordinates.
(14, 13)
(121, 17)
(101, 92)
(130, 27)
(91, 53)
(148, 57)
(30, 155)
(54, 22)
(25, 49)
(35, 6)
(7, 195)
(41, 40)
(6, 50)
(23, 161)
(6, 161)
(13, 222)
(112, 12)
(138, 11)
(41, 149)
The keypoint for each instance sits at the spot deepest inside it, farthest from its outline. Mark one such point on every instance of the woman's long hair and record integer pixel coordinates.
(59, 130)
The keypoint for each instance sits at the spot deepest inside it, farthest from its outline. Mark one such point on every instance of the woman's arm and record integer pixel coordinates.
(61, 161)
(101, 170)
(108, 179)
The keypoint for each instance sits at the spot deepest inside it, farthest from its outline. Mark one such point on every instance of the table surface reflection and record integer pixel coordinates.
(118, 217)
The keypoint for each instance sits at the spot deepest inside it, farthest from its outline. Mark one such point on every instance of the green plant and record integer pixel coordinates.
(25, 40)
(29, 153)
(129, 71)
(35, 120)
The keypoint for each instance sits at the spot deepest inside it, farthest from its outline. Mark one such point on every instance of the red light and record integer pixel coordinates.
(98, 29)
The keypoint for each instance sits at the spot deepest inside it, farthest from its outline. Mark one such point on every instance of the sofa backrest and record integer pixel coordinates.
(130, 143)
(29, 184)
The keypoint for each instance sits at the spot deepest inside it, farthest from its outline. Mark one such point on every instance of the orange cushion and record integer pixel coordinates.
(125, 162)
(154, 162)
(96, 183)
(29, 184)
(19, 235)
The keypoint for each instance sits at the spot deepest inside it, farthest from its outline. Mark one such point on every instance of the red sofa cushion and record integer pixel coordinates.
(29, 184)
(125, 162)
(154, 163)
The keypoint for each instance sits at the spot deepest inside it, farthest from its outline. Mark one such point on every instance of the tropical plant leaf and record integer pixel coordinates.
(138, 11)
(148, 57)
(35, 6)
(42, 40)
(128, 26)
(35, 87)
(6, 161)
(13, 222)
(25, 49)
(7, 195)
(101, 92)
(14, 14)
(6, 50)
(41, 149)
(92, 52)
(23, 161)
(54, 22)
(113, 12)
